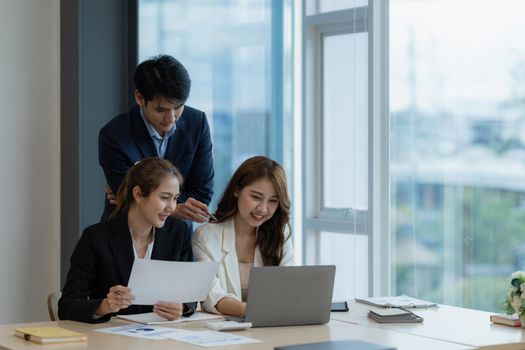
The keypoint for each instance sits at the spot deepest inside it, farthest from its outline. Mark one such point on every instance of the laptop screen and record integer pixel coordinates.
(290, 295)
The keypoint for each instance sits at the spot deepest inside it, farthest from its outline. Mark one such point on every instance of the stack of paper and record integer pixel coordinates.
(394, 315)
(153, 318)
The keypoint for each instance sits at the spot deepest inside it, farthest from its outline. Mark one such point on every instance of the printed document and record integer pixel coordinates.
(137, 331)
(208, 338)
(200, 338)
(152, 281)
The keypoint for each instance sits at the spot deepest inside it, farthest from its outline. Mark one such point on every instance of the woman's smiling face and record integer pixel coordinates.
(160, 203)
(257, 202)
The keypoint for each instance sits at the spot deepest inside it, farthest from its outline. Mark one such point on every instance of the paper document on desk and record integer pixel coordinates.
(208, 338)
(399, 301)
(152, 281)
(153, 318)
(137, 331)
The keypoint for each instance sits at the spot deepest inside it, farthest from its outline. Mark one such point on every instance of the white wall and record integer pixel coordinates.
(29, 157)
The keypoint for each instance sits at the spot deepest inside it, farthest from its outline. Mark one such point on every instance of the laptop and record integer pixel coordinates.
(289, 295)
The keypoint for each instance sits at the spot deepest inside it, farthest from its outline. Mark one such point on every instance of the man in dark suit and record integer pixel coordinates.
(161, 125)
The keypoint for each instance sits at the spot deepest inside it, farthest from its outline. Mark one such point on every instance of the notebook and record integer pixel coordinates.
(398, 301)
(507, 320)
(289, 295)
(44, 335)
(394, 315)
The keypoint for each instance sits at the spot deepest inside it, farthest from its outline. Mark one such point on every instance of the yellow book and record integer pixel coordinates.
(44, 335)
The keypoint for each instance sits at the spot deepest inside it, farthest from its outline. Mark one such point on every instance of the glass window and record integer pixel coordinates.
(336, 154)
(457, 149)
(345, 122)
(228, 49)
(321, 6)
(349, 253)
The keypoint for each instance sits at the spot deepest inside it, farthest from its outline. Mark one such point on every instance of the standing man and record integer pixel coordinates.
(161, 125)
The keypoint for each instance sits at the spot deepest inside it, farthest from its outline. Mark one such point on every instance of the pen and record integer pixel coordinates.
(212, 218)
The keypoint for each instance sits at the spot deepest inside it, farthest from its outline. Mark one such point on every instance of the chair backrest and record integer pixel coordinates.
(52, 305)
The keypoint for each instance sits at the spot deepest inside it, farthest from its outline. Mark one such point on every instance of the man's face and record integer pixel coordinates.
(160, 112)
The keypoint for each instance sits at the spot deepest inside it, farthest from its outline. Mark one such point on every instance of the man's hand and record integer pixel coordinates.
(111, 196)
(192, 210)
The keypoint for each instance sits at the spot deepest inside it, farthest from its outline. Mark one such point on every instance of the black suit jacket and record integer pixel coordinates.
(103, 258)
(125, 140)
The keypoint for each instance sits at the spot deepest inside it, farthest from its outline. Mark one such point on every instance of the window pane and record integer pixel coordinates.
(345, 121)
(349, 253)
(320, 6)
(457, 149)
(227, 49)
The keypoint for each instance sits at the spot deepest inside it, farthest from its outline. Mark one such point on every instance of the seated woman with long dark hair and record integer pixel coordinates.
(139, 228)
(252, 229)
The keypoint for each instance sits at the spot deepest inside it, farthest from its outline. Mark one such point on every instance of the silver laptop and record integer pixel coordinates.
(289, 295)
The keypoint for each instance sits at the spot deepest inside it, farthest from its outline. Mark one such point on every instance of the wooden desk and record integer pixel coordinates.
(271, 337)
(448, 323)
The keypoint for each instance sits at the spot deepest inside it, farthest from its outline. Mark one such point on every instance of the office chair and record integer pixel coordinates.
(52, 305)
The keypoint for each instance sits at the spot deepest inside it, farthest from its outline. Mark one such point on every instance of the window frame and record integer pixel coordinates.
(372, 222)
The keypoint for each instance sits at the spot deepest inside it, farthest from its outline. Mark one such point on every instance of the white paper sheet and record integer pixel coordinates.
(153, 318)
(208, 338)
(152, 281)
(138, 331)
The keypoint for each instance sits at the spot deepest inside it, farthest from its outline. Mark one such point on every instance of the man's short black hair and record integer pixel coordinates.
(162, 76)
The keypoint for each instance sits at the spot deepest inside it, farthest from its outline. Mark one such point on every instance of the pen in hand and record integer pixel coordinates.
(209, 217)
(212, 218)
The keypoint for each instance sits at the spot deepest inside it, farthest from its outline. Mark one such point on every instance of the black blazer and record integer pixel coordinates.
(103, 258)
(125, 140)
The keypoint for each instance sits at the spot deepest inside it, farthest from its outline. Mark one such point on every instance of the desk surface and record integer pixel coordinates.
(271, 337)
(454, 324)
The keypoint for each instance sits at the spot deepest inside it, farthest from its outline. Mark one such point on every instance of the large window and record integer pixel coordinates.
(238, 54)
(441, 217)
(235, 52)
(335, 142)
(457, 149)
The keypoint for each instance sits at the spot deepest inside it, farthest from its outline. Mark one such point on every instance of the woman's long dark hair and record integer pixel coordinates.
(271, 234)
(147, 175)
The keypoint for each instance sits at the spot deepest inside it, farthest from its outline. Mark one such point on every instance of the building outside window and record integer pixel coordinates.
(457, 149)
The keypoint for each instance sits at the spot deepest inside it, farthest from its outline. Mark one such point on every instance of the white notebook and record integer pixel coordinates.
(399, 301)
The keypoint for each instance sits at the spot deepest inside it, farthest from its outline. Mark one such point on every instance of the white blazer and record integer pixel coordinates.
(216, 242)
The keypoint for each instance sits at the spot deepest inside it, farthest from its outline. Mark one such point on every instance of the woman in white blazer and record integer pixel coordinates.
(252, 229)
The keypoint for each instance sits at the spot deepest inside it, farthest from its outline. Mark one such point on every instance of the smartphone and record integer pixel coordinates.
(339, 306)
